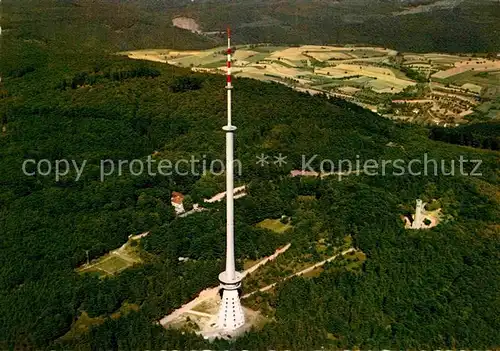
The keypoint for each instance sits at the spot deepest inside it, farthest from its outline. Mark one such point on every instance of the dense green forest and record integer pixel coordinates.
(85, 26)
(469, 26)
(481, 135)
(65, 96)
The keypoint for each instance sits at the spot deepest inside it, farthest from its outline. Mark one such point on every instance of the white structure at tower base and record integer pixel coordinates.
(231, 316)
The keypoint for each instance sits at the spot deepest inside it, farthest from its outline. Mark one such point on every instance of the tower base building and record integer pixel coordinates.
(231, 316)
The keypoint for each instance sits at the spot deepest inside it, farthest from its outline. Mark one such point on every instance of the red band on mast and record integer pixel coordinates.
(228, 76)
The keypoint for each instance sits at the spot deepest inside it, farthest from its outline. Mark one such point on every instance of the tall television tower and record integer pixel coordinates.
(231, 314)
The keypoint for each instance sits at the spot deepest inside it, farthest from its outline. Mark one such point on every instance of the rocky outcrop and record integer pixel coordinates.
(186, 23)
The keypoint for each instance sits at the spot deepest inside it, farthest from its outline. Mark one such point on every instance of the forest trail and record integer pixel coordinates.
(220, 196)
(267, 259)
(304, 271)
(211, 293)
(238, 192)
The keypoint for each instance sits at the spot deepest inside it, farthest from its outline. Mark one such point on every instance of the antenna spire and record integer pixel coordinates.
(228, 76)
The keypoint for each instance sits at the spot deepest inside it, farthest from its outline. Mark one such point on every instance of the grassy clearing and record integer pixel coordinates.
(275, 225)
(113, 262)
(107, 265)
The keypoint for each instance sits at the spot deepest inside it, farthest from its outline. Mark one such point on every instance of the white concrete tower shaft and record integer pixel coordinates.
(230, 129)
(231, 315)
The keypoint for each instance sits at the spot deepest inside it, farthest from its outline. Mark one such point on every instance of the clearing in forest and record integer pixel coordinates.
(275, 225)
(115, 261)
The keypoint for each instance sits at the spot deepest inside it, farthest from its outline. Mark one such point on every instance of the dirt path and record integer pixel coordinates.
(139, 236)
(304, 271)
(211, 293)
(218, 197)
(265, 260)
(238, 192)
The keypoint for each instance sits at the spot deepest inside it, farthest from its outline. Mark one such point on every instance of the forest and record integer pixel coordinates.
(70, 99)
(484, 135)
(469, 26)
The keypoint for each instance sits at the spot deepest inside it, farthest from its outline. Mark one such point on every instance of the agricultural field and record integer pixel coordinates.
(199, 59)
(267, 49)
(468, 66)
(149, 55)
(483, 79)
(490, 109)
(243, 55)
(257, 57)
(443, 59)
(328, 56)
(441, 88)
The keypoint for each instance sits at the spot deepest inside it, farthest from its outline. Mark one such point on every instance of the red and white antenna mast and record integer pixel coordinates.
(231, 315)
(228, 76)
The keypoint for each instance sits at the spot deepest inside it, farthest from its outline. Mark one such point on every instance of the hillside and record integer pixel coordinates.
(451, 26)
(85, 25)
(436, 288)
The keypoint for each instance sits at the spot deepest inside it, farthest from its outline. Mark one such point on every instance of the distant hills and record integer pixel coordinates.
(93, 25)
(417, 26)
(414, 25)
